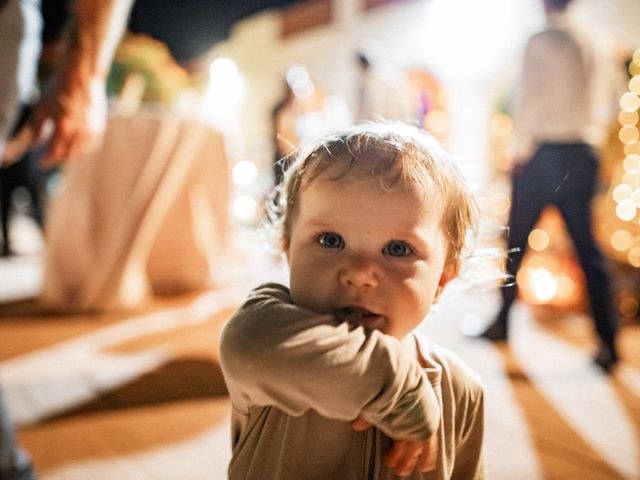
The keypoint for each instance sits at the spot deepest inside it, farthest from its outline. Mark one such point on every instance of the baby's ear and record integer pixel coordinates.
(448, 273)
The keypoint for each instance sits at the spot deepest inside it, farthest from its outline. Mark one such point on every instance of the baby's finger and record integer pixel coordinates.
(360, 425)
(429, 457)
(392, 457)
(408, 464)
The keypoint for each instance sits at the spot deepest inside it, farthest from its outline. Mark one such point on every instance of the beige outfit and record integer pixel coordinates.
(568, 89)
(297, 379)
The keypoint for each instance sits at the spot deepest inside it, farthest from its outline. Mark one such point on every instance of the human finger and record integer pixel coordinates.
(360, 424)
(408, 462)
(429, 458)
(61, 143)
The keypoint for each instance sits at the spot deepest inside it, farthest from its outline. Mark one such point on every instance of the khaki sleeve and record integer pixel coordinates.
(274, 353)
(469, 463)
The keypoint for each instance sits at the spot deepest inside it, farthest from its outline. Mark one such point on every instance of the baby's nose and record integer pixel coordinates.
(359, 272)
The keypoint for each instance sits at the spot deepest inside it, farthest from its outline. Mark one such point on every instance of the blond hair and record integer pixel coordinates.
(395, 153)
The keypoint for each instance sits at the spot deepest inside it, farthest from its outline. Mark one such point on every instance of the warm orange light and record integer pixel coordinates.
(628, 307)
(621, 240)
(628, 118)
(621, 192)
(626, 210)
(629, 102)
(538, 239)
(631, 148)
(631, 163)
(629, 133)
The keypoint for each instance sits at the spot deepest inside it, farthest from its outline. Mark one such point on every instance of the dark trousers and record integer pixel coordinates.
(15, 464)
(564, 175)
(24, 173)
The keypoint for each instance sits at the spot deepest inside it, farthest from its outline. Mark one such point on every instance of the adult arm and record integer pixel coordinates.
(276, 353)
(76, 106)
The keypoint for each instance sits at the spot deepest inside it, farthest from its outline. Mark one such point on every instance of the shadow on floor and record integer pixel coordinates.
(177, 380)
(560, 450)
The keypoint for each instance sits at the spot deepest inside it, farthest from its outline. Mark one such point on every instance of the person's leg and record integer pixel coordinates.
(528, 199)
(5, 206)
(574, 205)
(15, 464)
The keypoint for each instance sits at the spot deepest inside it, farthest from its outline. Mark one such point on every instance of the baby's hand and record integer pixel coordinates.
(406, 455)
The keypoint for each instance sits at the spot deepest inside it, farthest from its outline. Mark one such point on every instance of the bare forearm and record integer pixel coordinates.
(97, 29)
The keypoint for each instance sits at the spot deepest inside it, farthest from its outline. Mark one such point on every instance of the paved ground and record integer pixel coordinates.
(140, 396)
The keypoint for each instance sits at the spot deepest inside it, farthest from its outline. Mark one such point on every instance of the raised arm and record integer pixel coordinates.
(276, 353)
(76, 106)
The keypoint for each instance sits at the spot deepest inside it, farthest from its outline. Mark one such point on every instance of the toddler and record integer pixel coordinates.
(326, 379)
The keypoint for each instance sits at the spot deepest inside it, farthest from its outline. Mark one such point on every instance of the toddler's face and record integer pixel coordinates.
(373, 257)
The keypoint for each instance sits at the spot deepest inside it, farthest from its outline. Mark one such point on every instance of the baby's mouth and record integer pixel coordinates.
(361, 316)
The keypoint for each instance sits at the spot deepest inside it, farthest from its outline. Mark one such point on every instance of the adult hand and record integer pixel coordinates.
(407, 455)
(73, 116)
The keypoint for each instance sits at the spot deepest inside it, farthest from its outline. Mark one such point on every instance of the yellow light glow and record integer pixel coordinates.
(634, 256)
(622, 192)
(621, 240)
(244, 173)
(501, 125)
(631, 179)
(636, 57)
(628, 118)
(631, 148)
(628, 307)
(635, 197)
(634, 85)
(543, 284)
(626, 210)
(437, 121)
(538, 239)
(499, 204)
(629, 102)
(244, 207)
(628, 134)
(566, 286)
(631, 163)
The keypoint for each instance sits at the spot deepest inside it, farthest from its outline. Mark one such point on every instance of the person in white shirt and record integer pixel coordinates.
(560, 107)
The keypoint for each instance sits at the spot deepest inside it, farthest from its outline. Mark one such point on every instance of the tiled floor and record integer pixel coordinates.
(141, 396)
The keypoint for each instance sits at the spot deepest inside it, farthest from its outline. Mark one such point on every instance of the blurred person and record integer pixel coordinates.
(382, 93)
(566, 94)
(373, 220)
(25, 173)
(283, 119)
(74, 110)
(71, 114)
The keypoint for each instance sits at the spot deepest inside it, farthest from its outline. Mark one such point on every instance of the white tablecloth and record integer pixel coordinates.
(148, 212)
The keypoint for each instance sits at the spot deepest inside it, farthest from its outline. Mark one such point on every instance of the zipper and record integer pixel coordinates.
(370, 454)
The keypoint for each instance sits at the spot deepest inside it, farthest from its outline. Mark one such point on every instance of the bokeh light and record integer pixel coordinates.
(631, 163)
(543, 284)
(628, 306)
(634, 85)
(631, 148)
(244, 207)
(634, 256)
(626, 210)
(538, 239)
(628, 134)
(628, 118)
(629, 102)
(621, 240)
(244, 173)
(622, 192)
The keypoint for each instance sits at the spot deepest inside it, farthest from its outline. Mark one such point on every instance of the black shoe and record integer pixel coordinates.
(496, 332)
(606, 358)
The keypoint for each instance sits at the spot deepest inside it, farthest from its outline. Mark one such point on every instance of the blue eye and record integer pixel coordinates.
(397, 248)
(330, 240)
